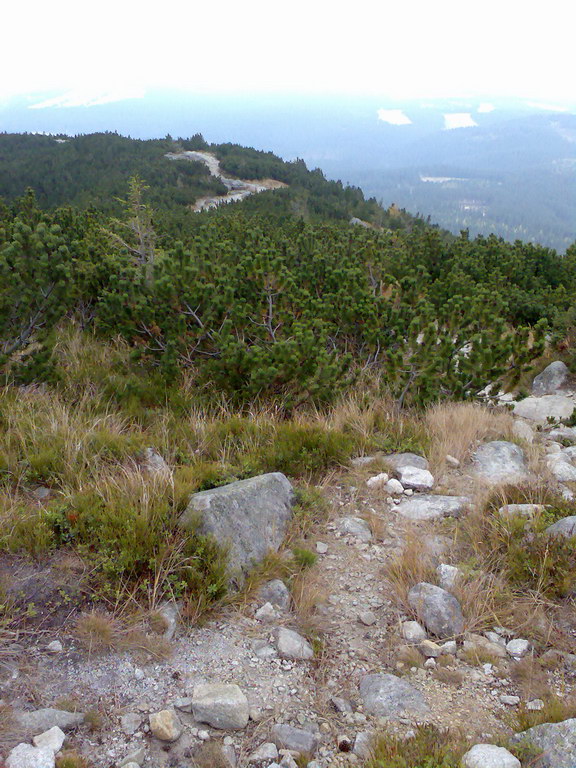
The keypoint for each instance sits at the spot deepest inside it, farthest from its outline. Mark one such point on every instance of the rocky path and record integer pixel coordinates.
(238, 189)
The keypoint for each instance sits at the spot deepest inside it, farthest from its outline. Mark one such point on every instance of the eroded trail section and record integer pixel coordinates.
(238, 189)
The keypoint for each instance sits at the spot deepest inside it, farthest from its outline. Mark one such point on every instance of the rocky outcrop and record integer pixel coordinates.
(249, 517)
(565, 527)
(552, 378)
(556, 740)
(499, 462)
(541, 409)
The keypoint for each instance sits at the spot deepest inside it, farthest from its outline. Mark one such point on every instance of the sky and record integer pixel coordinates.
(111, 49)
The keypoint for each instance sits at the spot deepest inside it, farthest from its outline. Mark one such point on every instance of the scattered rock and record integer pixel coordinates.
(399, 460)
(523, 431)
(415, 478)
(438, 610)
(448, 575)
(526, 510)
(32, 723)
(249, 516)
(170, 613)
(355, 526)
(510, 701)
(482, 645)
(556, 740)
(52, 739)
(413, 632)
(367, 618)
(221, 705)
(298, 739)
(377, 481)
(500, 462)
(386, 695)
(363, 745)
(54, 647)
(552, 378)
(266, 613)
(430, 649)
(541, 409)
(518, 647)
(452, 461)
(431, 507)
(341, 705)
(489, 756)
(130, 723)
(277, 593)
(165, 725)
(136, 756)
(561, 467)
(321, 548)
(267, 751)
(291, 645)
(535, 705)
(362, 461)
(563, 433)
(154, 464)
(565, 527)
(394, 487)
(27, 756)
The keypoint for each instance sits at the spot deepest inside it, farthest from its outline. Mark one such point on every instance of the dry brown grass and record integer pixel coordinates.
(412, 566)
(456, 429)
(531, 678)
(449, 676)
(410, 656)
(101, 632)
(308, 592)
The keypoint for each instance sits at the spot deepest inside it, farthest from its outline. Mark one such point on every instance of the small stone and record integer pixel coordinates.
(518, 648)
(394, 487)
(415, 478)
(535, 705)
(137, 756)
(294, 738)
(523, 431)
(51, 739)
(377, 481)
(452, 461)
(321, 548)
(450, 647)
(341, 705)
(355, 526)
(221, 705)
(362, 745)
(267, 751)
(266, 613)
(510, 701)
(165, 725)
(277, 593)
(54, 647)
(203, 735)
(40, 720)
(27, 756)
(489, 756)
(413, 632)
(183, 703)
(430, 649)
(448, 575)
(291, 645)
(131, 765)
(430, 663)
(367, 618)
(130, 723)
(438, 610)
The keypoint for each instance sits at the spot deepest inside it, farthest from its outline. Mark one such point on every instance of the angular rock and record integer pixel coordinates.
(51, 739)
(448, 576)
(431, 507)
(437, 609)
(266, 751)
(130, 723)
(378, 481)
(482, 645)
(452, 461)
(275, 592)
(165, 725)
(394, 487)
(27, 756)
(523, 431)
(518, 647)
(341, 705)
(221, 705)
(368, 618)
(415, 478)
(32, 723)
(436, 546)
(561, 467)
(357, 527)
(526, 510)
(266, 613)
(250, 517)
(566, 527)
(489, 756)
(563, 433)
(556, 740)
(552, 378)
(136, 756)
(363, 745)
(298, 739)
(399, 460)
(362, 461)
(386, 695)
(54, 647)
(154, 464)
(430, 649)
(291, 645)
(413, 632)
(499, 462)
(570, 452)
(170, 613)
(541, 409)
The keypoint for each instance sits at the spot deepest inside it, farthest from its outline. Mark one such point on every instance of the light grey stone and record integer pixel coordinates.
(499, 462)
(398, 460)
(357, 527)
(526, 510)
(413, 632)
(437, 609)
(452, 461)
(518, 647)
(136, 756)
(535, 705)
(54, 647)
(552, 378)
(154, 464)
(415, 478)
(250, 517)
(431, 507)
(291, 645)
(170, 613)
(183, 703)
(437, 546)
(51, 739)
(341, 705)
(275, 592)
(523, 431)
(556, 740)
(362, 461)
(570, 452)
(565, 527)
(386, 695)
(510, 701)
(165, 725)
(561, 467)
(363, 745)
(448, 576)
(541, 409)
(430, 649)
(489, 756)
(394, 487)
(27, 756)
(266, 751)
(368, 618)
(563, 433)
(130, 723)
(321, 548)
(449, 647)
(221, 705)
(298, 739)
(32, 723)
(479, 643)
(266, 613)
(377, 481)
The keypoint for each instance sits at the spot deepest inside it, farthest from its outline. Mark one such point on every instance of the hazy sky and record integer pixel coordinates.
(405, 48)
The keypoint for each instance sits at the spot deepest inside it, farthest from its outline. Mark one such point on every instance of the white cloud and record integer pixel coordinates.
(547, 107)
(394, 117)
(486, 107)
(458, 120)
(80, 98)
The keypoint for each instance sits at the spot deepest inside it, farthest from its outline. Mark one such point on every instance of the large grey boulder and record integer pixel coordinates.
(399, 460)
(298, 739)
(556, 740)
(565, 527)
(551, 379)
(499, 462)
(221, 705)
(540, 409)
(489, 756)
(386, 695)
(32, 723)
(27, 756)
(431, 507)
(437, 609)
(250, 517)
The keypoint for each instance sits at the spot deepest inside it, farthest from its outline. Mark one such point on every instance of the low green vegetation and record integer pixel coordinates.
(429, 747)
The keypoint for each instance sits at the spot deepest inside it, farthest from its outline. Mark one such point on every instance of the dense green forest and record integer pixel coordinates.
(275, 297)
